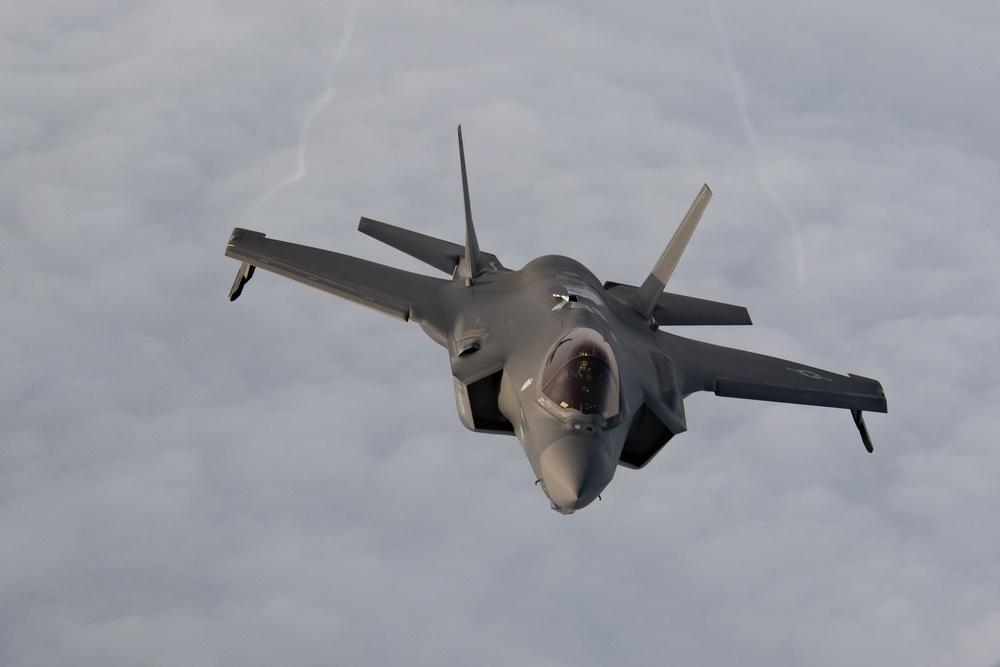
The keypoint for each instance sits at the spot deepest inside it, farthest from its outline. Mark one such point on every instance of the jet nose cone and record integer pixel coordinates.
(574, 471)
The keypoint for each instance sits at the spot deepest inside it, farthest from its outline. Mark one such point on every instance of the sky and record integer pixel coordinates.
(284, 479)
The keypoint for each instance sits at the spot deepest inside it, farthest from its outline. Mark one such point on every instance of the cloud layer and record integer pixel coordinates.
(284, 479)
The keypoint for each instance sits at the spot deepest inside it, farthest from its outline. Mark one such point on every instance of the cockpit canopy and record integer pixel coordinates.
(582, 375)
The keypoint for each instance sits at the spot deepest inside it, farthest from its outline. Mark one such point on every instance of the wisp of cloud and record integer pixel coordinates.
(313, 112)
(765, 176)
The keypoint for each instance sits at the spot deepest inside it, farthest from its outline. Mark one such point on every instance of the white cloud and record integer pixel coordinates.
(185, 480)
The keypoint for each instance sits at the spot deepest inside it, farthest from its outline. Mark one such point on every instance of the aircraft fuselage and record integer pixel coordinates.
(572, 421)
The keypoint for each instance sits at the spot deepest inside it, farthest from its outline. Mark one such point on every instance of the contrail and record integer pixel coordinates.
(313, 112)
(765, 176)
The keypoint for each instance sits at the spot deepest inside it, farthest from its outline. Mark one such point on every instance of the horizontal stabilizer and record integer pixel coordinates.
(442, 255)
(678, 310)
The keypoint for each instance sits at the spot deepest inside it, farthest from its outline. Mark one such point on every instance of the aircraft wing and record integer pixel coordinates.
(740, 374)
(400, 294)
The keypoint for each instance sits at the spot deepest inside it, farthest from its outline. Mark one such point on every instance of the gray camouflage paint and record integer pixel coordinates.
(502, 327)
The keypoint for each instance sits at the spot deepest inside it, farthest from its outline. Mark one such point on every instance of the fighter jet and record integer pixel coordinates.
(577, 369)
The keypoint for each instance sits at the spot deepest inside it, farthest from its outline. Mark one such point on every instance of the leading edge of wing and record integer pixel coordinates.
(394, 292)
(740, 374)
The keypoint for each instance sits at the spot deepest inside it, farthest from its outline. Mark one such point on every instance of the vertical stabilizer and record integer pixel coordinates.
(645, 298)
(471, 264)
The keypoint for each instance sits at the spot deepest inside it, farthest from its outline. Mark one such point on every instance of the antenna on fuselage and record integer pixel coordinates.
(471, 264)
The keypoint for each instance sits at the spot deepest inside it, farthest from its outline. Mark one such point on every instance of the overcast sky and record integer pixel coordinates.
(284, 479)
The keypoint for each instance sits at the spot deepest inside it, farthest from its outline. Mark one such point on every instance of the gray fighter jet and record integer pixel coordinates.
(576, 368)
